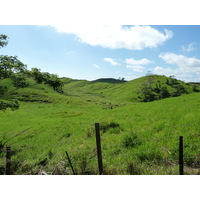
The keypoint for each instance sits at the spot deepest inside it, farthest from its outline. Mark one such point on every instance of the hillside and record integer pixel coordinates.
(121, 92)
(137, 137)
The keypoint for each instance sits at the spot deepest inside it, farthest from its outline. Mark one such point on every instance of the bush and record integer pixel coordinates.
(130, 141)
(13, 105)
(164, 93)
(3, 90)
(104, 127)
(19, 81)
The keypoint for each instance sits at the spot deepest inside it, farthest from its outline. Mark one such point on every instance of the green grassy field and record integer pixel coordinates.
(136, 137)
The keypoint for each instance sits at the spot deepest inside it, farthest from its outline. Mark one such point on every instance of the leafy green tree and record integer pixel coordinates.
(3, 90)
(3, 40)
(55, 83)
(19, 81)
(164, 93)
(50, 79)
(10, 67)
(37, 75)
(146, 93)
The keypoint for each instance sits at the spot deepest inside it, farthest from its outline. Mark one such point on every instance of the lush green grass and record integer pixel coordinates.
(137, 138)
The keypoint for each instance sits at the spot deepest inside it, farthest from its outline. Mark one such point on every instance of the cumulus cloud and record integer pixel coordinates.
(136, 68)
(164, 71)
(111, 61)
(181, 61)
(143, 61)
(184, 68)
(117, 36)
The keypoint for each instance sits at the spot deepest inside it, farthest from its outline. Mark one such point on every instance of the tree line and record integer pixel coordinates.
(11, 67)
(154, 90)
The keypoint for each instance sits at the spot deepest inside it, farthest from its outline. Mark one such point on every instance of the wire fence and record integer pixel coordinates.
(114, 159)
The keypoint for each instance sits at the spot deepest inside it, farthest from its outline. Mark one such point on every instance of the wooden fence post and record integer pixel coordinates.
(181, 171)
(8, 160)
(70, 163)
(98, 143)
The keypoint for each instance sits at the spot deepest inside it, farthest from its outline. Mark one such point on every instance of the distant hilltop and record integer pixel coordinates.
(110, 80)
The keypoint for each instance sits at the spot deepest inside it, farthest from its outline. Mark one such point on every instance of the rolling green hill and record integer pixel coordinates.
(137, 137)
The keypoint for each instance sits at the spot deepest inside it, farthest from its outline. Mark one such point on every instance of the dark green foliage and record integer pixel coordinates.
(3, 40)
(11, 67)
(164, 93)
(150, 92)
(106, 126)
(3, 90)
(150, 156)
(130, 140)
(146, 94)
(13, 105)
(43, 162)
(195, 88)
(50, 79)
(50, 154)
(55, 83)
(37, 75)
(19, 81)
(110, 80)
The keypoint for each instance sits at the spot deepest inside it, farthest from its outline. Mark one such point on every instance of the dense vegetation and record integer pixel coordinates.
(56, 115)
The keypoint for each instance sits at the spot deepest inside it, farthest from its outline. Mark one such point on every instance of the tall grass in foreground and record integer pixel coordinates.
(136, 138)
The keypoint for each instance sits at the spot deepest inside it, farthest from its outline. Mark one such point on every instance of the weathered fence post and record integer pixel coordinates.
(70, 163)
(98, 143)
(8, 160)
(181, 172)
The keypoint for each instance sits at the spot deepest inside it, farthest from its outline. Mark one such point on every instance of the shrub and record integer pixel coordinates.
(106, 126)
(3, 90)
(19, 81)
(164, 93)
(150, 156)
(130, 141)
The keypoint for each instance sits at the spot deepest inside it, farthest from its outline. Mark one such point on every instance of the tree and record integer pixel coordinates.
(3, 40)
(146, 94)
(19, 81)
(164, 93)
(10, 67)
(37, 75)
(55, 83)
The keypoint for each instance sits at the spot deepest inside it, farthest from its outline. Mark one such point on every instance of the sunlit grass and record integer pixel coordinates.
(140, 138)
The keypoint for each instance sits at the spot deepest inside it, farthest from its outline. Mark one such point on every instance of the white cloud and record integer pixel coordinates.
(97, 66)
(189, 48)
(111, 61)
(117, 36)
(164, 71)
(181, 61)
(143, 61)
(184, 68)
(136, 68)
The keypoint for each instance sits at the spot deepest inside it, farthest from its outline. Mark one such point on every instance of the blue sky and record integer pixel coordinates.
(112, 51)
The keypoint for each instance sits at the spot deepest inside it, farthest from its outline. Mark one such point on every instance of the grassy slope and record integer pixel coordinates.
(66, 122)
